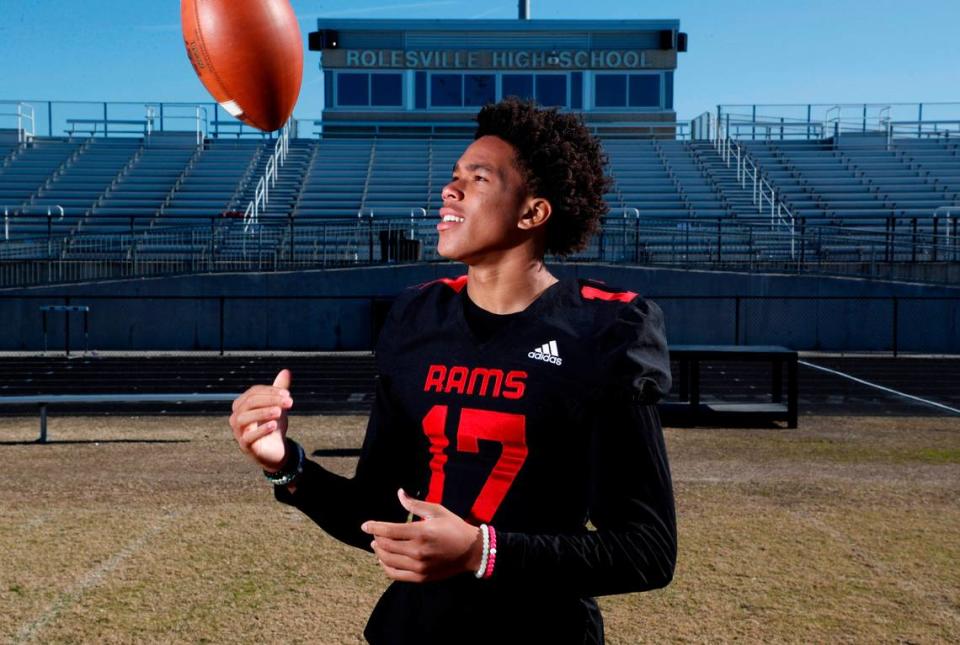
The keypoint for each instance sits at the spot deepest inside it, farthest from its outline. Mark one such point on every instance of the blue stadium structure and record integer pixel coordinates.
(119, 190)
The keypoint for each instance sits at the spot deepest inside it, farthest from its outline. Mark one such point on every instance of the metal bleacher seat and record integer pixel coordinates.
(26, 172)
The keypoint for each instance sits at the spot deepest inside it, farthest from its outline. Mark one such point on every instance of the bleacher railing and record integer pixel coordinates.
(125, 118)
(24, 116)
(261, 196)
(814, 121)
(763, 192)
(879, 247)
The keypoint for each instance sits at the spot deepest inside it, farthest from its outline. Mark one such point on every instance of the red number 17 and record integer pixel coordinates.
(507, 429)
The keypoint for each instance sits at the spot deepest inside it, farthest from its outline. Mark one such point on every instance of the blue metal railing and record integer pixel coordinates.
(784, 121)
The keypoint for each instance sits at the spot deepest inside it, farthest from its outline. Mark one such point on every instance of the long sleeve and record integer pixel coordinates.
(631, 500)
(339, 505)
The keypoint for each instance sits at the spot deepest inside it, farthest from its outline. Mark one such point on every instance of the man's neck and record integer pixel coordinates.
(507, 288)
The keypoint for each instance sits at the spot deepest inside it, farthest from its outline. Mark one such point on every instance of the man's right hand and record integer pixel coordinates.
(259, 422)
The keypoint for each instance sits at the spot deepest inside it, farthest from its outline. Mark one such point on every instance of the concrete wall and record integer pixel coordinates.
(339, 309)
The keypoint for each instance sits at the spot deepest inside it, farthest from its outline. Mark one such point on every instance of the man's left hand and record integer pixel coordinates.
(440, 546)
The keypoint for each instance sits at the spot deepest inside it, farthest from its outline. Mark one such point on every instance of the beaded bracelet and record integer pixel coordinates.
(482, 569)
(491, 560)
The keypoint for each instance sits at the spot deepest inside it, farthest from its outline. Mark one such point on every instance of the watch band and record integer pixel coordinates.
(291, 469)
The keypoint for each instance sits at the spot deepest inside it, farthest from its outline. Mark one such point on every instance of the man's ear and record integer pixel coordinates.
(536, 214)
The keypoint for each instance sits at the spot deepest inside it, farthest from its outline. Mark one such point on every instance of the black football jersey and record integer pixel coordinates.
(536, 429)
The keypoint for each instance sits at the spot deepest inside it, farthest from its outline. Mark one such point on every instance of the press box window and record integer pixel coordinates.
(459, 90)
(519, 85)
(366, 90)
(627, 90)
(549, 90)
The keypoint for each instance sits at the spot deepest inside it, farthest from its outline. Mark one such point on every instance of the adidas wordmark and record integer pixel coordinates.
(547, 353)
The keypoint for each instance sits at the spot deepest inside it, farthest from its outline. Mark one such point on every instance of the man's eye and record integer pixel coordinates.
(480, 178)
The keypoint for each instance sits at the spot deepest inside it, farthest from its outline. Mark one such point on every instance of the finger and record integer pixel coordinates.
(405, 531)
(412, 549)
(258, 390)
(402, 575)
(267, 400)
(283, 379)
(258, 415)
(426, 510)
(397, 561)
(255, 431)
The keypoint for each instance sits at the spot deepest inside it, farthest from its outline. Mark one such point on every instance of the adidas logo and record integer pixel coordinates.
(547, 353)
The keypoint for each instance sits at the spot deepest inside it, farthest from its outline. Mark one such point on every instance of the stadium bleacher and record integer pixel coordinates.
(848, 202)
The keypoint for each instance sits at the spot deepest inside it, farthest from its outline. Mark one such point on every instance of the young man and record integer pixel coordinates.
(511, 408)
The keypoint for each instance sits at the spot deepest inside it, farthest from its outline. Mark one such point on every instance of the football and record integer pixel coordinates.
(248, 54)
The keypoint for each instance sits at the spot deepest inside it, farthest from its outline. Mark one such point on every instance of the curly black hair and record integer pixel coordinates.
(560, 161)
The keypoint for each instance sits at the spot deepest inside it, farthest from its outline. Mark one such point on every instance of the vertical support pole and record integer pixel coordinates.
(719, 240)
(933, 242)
(66, 329)
(49, 118)
(895, 326)
(808, 121)
(753, 124)
(221, 324)
(920, 120)
(293, 245)
(913, 244)
(736, 321)
(104, 118)
(43, 424)
(792, 392)
(864, 117)
(695, 387)
(803, 242)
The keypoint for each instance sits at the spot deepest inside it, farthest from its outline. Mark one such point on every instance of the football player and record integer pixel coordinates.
(512, 411)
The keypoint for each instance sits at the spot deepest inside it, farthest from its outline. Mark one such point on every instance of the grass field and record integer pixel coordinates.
(159, 530)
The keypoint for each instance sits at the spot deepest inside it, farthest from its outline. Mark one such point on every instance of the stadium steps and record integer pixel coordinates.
(25, 174)
(133, 199)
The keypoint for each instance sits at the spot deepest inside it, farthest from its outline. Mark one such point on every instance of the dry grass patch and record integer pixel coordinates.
(845, 530)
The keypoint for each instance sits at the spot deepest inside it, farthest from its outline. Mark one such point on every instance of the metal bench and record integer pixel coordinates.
(118, 126)
(691, 410)
(45, 400)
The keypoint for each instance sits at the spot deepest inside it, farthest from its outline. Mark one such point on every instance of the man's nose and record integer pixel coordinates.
(451, 191)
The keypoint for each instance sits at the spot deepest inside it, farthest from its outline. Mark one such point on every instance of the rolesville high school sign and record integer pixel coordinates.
(508, 59)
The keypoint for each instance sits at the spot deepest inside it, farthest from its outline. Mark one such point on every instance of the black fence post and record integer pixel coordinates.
(933, 245)
(221, 324)
(895, 327)
(719, 241)
(292, 243)
(913, 244)
(66, 327)
(600, 240)
(736, 321)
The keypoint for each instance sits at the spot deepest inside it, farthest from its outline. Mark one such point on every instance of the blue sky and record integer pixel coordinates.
(741, 51)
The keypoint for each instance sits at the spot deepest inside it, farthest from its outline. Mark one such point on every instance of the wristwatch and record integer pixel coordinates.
(291, 469)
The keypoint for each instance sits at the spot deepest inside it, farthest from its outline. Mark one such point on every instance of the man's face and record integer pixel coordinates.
(487, 197)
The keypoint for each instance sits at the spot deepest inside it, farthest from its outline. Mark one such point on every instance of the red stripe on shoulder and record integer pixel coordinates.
(457, 284)
(592, 293)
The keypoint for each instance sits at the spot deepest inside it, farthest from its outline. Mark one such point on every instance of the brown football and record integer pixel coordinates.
(248, 54)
